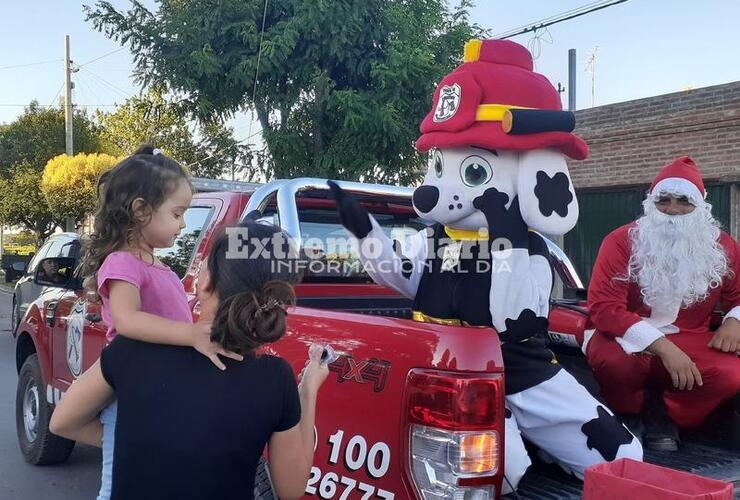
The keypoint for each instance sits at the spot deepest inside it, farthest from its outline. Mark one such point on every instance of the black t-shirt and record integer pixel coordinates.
(188, 430)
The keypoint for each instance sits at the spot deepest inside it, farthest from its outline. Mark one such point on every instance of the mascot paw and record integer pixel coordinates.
(492, 202)
(503, 222)
(353, 216)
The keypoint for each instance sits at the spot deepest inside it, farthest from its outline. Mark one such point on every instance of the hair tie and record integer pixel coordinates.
(157, 151)
(270, 305)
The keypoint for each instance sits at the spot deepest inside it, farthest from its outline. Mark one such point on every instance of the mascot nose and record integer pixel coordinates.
(425, 198)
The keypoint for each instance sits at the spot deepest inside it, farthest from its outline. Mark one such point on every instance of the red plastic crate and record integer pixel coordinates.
(626, 479)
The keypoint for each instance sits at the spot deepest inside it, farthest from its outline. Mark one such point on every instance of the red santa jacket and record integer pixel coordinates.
(617, 308)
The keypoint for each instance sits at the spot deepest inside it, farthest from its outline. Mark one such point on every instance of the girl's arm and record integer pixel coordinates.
(76, 415)
(130, 321)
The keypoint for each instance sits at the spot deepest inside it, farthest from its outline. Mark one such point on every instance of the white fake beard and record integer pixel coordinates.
(676, 256)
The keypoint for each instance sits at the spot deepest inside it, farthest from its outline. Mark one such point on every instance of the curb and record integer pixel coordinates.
(4, 289)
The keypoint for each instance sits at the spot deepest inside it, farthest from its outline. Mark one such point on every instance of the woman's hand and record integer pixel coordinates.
(314, 373)
(200, 335)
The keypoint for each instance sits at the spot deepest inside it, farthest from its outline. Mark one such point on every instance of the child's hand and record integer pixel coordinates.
(201, 342)
(314, 373)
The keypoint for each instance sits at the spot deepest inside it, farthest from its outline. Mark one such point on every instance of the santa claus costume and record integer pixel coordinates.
(498, 171)
(664, 276)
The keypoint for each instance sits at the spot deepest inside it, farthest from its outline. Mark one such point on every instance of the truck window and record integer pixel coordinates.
(179, 255)
(39, 255)
(326, 243)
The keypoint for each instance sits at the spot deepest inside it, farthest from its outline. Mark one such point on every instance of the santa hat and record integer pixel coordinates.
(495, 100)
(681, 176)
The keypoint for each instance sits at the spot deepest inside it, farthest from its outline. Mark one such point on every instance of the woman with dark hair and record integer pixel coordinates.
(188, 430)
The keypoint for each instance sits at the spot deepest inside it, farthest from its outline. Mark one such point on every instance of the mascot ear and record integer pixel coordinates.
(546, 197)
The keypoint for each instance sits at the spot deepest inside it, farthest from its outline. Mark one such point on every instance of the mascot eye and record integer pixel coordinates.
(476, 171)
(438, 164)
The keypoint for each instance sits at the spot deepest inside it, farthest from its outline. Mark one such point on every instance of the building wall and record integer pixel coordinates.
(630, 141)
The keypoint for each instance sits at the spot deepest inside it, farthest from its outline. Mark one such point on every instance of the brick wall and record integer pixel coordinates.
(630, 141)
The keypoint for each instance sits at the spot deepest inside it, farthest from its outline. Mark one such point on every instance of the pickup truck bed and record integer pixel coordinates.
(706, 451)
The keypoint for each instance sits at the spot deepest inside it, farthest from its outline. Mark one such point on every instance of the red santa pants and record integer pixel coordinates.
(624, 377)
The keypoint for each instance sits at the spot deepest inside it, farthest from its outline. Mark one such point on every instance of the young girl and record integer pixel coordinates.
(144, 199)
(186, 430)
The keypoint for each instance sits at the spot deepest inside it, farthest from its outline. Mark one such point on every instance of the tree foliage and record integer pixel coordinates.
(22, 202)
(151, 118)
(69, 183)
(38, 135)
(341, 87)
(23, 238)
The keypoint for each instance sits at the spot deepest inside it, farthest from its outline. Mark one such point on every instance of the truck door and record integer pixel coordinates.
(77, 331)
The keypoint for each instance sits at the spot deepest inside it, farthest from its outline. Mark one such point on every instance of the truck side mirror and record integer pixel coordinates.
(57, 272)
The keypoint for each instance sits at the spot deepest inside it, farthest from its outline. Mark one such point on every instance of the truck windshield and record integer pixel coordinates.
(328, 249)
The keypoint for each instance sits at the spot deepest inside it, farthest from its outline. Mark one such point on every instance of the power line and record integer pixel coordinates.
(257, 70)
(109, 84)
(254, 96)
(559, 18)
(119, 49)
(54, 105)
(31, 64)
(561, 14)
(56, 95)
(88, 89)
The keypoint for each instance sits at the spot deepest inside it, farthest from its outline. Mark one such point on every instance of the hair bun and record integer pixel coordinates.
(145, 149)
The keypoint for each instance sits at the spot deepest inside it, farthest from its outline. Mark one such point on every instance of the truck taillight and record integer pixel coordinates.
(454, 433)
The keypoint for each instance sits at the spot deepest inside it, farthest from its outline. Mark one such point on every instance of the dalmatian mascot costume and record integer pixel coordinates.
(498, 139)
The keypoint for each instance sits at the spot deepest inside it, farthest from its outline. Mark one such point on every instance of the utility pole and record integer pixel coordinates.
(591, 68)
(68, 113)
(571, 80)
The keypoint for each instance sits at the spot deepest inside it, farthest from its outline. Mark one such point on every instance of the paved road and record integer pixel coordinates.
(78, 478)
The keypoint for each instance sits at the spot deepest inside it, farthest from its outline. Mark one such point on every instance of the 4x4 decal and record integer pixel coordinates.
(374, 370)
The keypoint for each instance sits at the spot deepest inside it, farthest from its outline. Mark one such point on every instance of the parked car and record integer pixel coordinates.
(26, 290)
(394, 418)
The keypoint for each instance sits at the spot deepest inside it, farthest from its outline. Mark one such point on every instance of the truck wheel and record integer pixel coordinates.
(32, 413)
(262, 483)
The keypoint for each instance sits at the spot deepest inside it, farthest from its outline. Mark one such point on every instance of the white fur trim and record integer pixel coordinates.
(638, 337)
(587, 334)
(678, 185)
(732, 313)
(663, 315)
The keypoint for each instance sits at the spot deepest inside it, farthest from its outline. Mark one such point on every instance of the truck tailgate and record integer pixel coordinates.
(362, 436)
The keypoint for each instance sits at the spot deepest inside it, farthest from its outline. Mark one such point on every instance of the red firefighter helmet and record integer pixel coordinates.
(495, 100)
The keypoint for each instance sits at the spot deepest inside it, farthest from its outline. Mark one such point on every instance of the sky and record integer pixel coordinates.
(645, 48)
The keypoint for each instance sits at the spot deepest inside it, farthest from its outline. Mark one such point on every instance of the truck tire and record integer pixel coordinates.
(32, 413)
(263, 489)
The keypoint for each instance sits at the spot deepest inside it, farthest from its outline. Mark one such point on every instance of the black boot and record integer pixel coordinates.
(634, 424)
(661, 434)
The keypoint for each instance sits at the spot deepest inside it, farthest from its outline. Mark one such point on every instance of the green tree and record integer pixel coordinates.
(153, 119)
(38, 135)
(341, 87)
(69, 183)
(22, 202)
(24, 237)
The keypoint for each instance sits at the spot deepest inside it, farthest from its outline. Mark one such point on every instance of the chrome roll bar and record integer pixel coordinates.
(287, 189)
